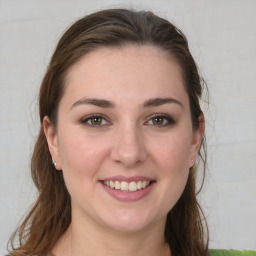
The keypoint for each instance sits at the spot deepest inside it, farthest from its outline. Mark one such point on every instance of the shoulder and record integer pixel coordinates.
(215, 252)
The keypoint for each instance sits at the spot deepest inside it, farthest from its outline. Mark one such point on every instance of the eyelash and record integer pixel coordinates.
(168, 120)
(91, 117)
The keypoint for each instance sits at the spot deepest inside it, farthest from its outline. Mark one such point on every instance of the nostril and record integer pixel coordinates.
(129, 158)
(128, 149)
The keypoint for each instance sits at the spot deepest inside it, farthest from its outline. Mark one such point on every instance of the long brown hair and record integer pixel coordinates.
(186, 230)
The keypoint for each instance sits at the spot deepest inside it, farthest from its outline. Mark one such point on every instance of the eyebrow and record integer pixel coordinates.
(160, 101)
(96, 102)
(109, 104)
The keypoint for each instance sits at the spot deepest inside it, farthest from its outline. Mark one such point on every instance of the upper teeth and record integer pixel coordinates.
(126, 186)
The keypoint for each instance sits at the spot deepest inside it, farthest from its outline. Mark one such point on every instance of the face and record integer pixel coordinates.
(124, 138)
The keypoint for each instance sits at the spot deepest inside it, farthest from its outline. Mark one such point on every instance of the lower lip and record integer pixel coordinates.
(128, 196)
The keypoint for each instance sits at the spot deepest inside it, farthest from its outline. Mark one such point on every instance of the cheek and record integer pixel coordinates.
(81, 156)
(172, 160)
(81, 159)
(173, 163)
(173, 152)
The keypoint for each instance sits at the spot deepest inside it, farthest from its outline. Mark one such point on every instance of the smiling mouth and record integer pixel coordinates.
(125, 186)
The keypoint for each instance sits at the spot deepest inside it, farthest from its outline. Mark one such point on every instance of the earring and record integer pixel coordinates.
(54, 163)
(194, 160)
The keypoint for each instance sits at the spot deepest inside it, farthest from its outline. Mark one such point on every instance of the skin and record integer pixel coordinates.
(127, 141)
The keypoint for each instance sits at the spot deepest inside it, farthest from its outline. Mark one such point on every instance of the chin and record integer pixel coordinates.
(129, 222)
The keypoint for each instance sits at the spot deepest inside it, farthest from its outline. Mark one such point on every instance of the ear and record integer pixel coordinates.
(52, 140)
(197, 140)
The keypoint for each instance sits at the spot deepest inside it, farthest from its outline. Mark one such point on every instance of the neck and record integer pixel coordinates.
(88, 240)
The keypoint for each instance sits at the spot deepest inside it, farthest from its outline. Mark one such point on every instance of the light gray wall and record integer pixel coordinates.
(222, 37)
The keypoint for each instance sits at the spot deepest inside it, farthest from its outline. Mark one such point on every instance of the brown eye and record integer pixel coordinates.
(95, 121)
(161, 121)
(158, 120)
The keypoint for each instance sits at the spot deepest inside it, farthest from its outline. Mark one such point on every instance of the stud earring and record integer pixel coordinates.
(54, 163)
(193, 160)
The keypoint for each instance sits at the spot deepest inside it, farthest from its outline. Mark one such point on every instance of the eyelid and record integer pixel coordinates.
(170, 120)
(85, 119)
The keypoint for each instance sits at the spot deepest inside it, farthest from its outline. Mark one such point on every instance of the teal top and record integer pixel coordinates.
(215, 252)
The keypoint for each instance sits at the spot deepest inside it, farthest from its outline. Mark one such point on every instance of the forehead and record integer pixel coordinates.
(132, 72)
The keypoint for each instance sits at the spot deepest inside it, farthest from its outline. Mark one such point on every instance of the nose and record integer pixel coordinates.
(129, 147)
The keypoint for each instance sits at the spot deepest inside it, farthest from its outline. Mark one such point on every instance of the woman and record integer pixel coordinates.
(121, 128)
